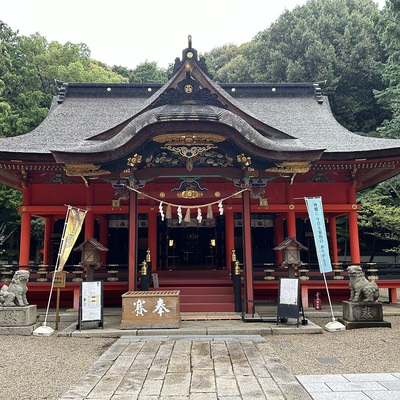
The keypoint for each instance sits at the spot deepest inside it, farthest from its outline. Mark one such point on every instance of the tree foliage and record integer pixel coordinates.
(380, 214)
(389, 98)
(331, 40)
(147, 72)
(228, 64)
(28, 69)
(10, 199)
(350, 44)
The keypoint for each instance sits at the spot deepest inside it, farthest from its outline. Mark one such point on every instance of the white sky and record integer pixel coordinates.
(129, 32)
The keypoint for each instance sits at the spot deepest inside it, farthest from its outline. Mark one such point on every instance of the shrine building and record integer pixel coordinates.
(197, 180)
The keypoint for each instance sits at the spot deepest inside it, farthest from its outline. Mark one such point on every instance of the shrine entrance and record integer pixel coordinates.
(191, 245)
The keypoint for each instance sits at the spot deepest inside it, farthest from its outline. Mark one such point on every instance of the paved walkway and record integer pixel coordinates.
(199, 361)
(215, 367)
(352, 386)
(195, 368)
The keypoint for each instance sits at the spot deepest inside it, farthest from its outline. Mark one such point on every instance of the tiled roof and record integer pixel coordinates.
(298, 119)
(314, 125)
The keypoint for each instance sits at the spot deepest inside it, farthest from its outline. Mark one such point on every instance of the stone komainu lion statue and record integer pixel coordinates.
(361, 289)
(15, 294)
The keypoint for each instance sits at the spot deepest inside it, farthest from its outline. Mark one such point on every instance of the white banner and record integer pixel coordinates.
(316, 214)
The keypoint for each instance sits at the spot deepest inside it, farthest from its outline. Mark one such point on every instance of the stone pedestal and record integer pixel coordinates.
(18, 320)
(363, 315)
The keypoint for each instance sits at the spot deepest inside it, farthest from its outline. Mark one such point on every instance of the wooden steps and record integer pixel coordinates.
(202, 291)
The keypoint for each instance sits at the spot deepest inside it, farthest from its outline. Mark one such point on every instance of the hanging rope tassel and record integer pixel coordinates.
(179, 212)
(160, 208)
(221, 208)
(168, 213)
(210, 214)
(187, 216)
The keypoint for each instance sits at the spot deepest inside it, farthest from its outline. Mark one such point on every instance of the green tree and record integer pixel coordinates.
(325, 40)
(28, 71)
(6, 36)
(147, 72)
(379, 215)
(389, 98)
(10, 199)
(22, 104)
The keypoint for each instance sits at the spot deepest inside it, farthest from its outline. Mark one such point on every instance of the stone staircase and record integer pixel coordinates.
(201, 291)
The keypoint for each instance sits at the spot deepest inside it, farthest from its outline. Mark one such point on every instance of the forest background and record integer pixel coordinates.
(351, 47)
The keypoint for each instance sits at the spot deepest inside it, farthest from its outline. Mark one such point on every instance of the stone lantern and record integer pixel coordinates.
(90, 259)
(291, 253)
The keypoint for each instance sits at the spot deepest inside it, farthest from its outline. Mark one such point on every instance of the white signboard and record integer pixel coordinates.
(289, 291)
(91, 297)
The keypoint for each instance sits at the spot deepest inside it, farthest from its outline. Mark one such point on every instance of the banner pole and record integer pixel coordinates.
(317, 221)
(56, 266)
(45, 330)
(329, 297)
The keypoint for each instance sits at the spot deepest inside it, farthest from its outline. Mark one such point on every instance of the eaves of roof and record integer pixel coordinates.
(290, 117)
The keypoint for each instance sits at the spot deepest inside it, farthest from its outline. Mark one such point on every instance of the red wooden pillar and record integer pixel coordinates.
(25, 240)
(103, 237)
(48, 230)
(152, 238)
(247, 246)
(133, 242)
(229, 236)
(89, 219)
(291, 222)
(353, 237)
(89, 225)
(353, 225)
(290, 215)
(333, 235)
(278, 238)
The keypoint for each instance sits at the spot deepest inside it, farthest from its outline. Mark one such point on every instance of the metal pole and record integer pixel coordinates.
(57, 307)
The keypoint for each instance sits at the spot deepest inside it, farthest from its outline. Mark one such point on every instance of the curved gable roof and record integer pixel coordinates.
(276, 121)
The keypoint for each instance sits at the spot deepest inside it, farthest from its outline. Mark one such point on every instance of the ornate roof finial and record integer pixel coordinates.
(189, 55)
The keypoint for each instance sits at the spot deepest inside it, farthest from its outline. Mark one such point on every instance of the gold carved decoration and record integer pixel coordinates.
(190, 139)
(135, 159)
(189, 152)
(190, 194)
(188, 88)
(245, 160)
(291, 167)
(85, 170)
(189, 146)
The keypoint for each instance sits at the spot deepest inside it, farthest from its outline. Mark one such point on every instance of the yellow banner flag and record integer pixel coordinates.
(73, 226)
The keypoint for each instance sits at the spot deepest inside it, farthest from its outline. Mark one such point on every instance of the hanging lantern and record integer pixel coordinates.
(209, 212)
(187, 216)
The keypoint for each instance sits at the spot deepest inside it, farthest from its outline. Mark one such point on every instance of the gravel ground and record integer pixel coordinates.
(369, 350)
(46, 367)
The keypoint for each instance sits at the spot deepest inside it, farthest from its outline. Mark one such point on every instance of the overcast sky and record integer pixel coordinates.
(129, 32)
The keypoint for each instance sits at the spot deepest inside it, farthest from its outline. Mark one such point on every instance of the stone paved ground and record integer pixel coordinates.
(229, 368)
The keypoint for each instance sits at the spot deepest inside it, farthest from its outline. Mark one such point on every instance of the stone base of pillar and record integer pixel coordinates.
(363, 315)
(18, 320)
